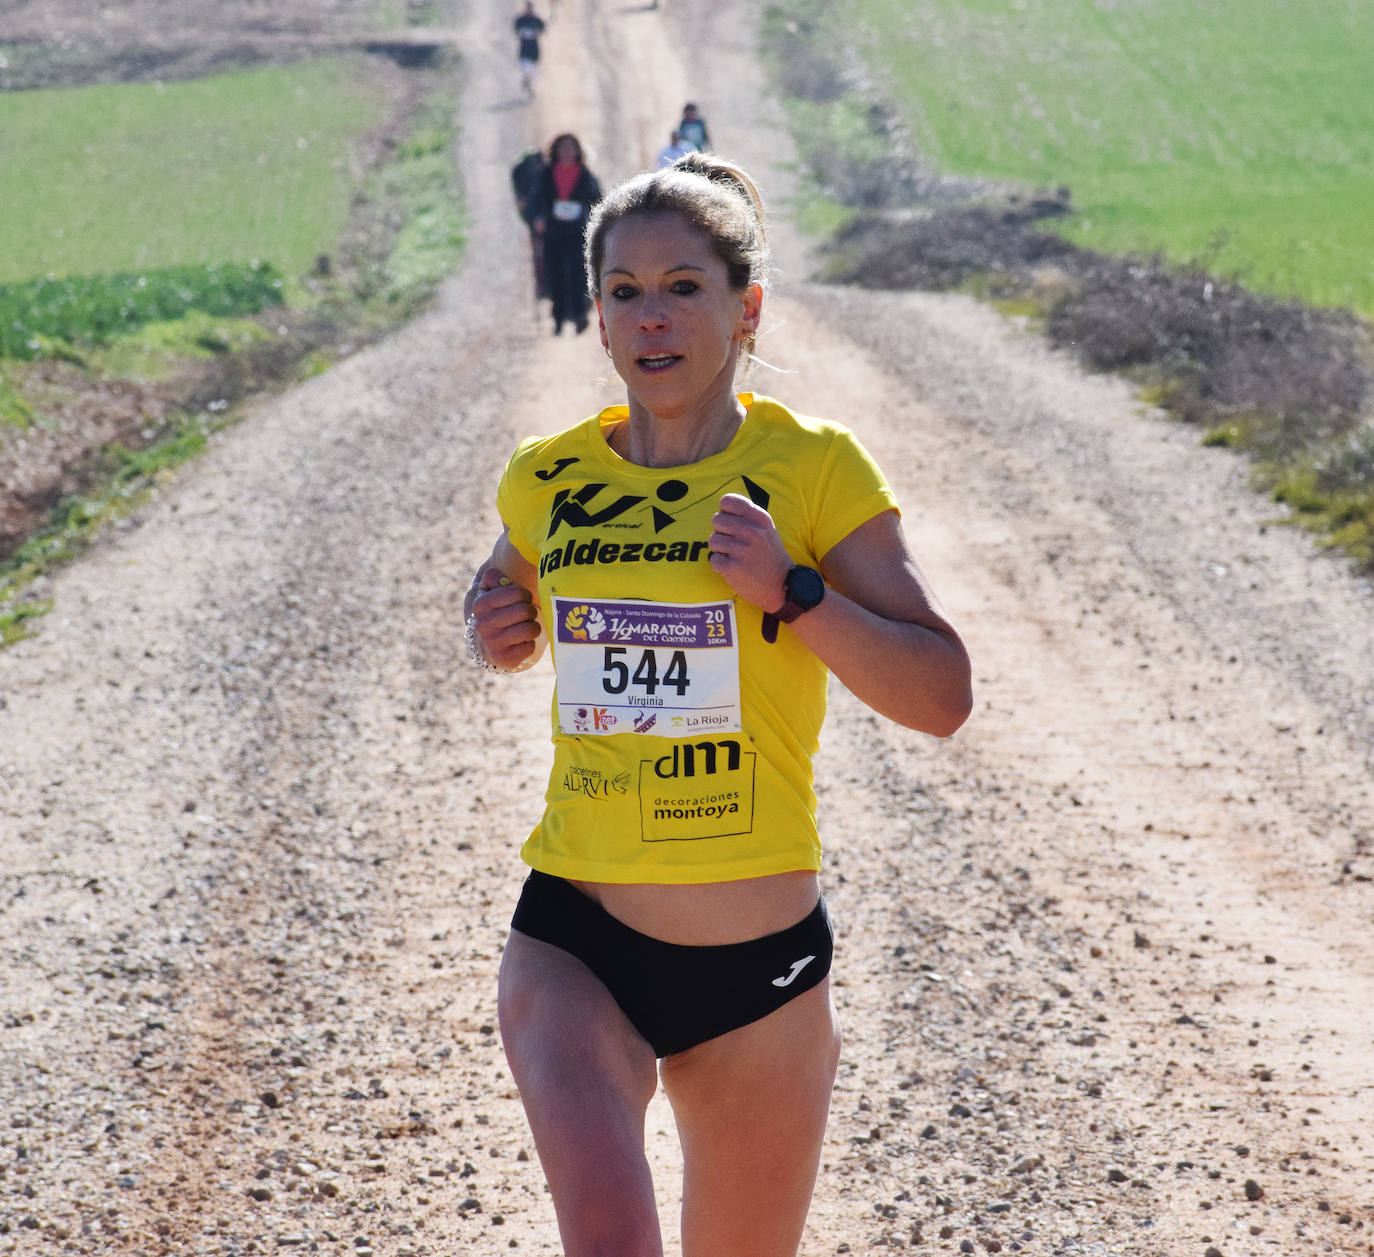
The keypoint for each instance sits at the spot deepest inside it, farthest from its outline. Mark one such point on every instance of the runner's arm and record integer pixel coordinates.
(882, 632)
(879, 628)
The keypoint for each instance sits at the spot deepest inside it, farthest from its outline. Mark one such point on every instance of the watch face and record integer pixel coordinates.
(805, 586)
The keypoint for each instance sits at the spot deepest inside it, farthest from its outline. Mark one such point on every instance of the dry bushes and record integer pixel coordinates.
(1224, 351)
(1289, 384)
(940, 250)
(1211, 350)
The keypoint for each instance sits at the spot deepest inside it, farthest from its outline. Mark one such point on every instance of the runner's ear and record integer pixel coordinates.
(751, 300)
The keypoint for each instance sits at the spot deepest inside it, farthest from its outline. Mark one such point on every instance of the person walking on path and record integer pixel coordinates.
(526, 178)
(699, 559)
(675, 148)
(567, 193)
(529, 26)
(692, 128)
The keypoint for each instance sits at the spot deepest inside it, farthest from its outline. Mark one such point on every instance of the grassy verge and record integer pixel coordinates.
(1287, 384)
(406, 231)
(95, 308)
(121, 480)
(394, 234)
(253, 164)
(1231, 134)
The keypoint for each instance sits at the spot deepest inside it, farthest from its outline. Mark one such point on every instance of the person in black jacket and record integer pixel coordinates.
(526, 179)
(568, 191)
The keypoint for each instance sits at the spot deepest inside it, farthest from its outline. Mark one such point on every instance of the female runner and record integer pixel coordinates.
(698, 558)
(565, 194)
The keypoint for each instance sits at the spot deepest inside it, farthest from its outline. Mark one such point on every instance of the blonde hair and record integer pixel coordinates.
(713, 195)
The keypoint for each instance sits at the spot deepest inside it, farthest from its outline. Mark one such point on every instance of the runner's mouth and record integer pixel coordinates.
(657, 362)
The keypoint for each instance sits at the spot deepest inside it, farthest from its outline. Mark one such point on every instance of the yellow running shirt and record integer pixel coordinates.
(682, 740)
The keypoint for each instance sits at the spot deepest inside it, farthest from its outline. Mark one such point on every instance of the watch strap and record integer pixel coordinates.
(790, 609)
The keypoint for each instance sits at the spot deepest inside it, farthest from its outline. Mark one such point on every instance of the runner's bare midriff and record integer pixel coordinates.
(711, 913)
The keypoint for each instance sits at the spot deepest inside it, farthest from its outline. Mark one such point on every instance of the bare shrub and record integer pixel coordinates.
(1225, 349)
(805, 69)
(940, 250)
(860, 155)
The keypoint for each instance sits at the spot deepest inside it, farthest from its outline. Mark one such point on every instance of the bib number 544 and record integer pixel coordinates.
(617, 675)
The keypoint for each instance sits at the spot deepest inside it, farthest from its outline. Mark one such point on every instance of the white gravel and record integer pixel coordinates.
(1102, 956)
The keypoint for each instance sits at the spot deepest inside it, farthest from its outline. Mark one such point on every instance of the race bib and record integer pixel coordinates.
(668, 668)
(567, 211)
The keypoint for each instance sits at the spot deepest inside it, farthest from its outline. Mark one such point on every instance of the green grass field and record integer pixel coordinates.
(1237, 133)
(252, 165)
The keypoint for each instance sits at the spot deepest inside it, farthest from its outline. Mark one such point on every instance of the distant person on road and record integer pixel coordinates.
(567, 193)
(700, 560)
(529, 26)
(526, 179)
(692, 128)
(675, 148)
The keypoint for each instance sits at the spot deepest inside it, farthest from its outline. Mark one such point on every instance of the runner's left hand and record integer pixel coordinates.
(748, 553)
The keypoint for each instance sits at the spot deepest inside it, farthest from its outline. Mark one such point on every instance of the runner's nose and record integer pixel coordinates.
(653, 316)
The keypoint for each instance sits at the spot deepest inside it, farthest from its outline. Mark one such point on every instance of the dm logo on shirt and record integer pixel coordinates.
(697, 790)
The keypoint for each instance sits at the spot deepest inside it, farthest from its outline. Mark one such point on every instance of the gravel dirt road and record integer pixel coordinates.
(1103, 958)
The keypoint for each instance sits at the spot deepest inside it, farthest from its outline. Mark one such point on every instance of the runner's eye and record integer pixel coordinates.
(685, 287)
(622, 292)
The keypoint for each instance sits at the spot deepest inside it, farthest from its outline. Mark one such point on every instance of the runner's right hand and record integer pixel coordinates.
(507, 621)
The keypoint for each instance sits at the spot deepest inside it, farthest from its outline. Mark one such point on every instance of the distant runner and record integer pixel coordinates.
(675, 148)
(529, 26)
(692, 128)
(568, 191)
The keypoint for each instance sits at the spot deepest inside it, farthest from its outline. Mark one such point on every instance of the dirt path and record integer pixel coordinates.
(1103, 958)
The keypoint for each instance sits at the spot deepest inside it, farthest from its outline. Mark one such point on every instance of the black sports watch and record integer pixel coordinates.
(802, 589)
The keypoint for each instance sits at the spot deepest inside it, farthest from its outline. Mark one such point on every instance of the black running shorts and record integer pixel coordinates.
(678, 996)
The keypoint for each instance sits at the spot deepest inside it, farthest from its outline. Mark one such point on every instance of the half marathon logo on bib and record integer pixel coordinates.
(631, 666)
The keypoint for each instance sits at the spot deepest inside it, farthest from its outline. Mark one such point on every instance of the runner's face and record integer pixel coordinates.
(668, 315)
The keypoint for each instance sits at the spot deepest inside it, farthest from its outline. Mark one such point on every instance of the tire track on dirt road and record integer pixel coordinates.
(1120, 823)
